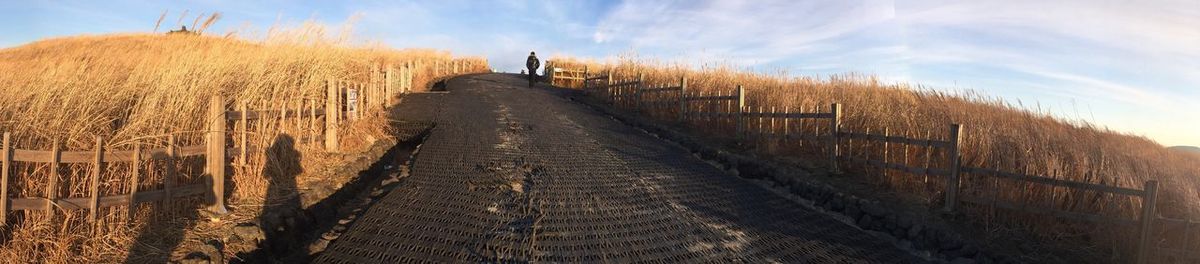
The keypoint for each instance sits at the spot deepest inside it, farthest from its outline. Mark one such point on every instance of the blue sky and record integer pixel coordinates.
(1133, 66)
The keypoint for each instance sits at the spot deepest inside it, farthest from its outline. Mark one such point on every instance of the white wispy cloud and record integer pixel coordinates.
(766, 30)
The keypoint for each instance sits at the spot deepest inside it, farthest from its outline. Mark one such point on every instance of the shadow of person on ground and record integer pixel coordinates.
(281, 215)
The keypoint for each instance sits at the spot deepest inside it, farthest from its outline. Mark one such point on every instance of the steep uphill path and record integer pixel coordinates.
(517, 174)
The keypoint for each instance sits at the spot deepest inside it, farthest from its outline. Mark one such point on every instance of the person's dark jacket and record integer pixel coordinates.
(532, 63)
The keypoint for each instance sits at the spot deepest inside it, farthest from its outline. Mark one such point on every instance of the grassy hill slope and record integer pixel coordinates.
(137, 88)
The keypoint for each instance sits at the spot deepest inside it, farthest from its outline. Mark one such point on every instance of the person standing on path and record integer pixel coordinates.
(532, 64)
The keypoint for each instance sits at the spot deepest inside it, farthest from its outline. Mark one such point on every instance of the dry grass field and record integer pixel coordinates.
(997, 134)
(138, 88)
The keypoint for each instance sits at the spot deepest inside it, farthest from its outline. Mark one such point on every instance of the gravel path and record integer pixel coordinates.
(516, 174)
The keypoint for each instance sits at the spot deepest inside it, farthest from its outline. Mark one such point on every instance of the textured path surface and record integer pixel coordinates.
(514, 174)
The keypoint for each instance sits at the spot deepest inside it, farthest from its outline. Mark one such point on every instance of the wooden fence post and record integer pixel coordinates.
(585, 81)
(834, 134)
(886, 167)
(786, 127)
(614, 91)
(6, 153)
(381, 98)
(373, 77)
(52, 186)
(94, 190)
(351, 106)
(311, 132)
(242, 135)
(741, 113)
(336, 96)
(331, 117)
(758, 125)
(955, 159)
(608, 87)
(387, 86)
(682, 99)
(1149, 214)
(399, 79)
(169, 175)
(370, 98)
(216, 153)
(404, 78)
(372, 105)
(360, 103)
(298, 115)
(637, 92)
(550, 74)
(342, 108)
(136, 169)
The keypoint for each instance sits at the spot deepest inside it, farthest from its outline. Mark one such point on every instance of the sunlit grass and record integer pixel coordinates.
(136, 88)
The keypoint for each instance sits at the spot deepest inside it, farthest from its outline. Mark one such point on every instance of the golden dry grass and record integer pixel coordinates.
(998, 134)
(136, 89)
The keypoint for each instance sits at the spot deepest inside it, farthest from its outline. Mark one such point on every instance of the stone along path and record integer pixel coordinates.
(517, 174)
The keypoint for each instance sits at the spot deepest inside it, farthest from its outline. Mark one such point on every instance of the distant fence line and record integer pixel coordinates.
(344, 102)
(559, 76)
(728, 109)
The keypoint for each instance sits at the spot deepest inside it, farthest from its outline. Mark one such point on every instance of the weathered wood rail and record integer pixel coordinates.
(728, 109)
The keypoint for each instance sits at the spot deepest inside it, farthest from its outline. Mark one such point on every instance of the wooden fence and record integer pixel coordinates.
(563, 77)
(98, 158)
(344, 102)
(728, 110)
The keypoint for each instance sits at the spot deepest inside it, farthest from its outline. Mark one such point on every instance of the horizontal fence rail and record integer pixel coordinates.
(1055, 182)
(70, 157)
(260, 114)
(749, 124)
